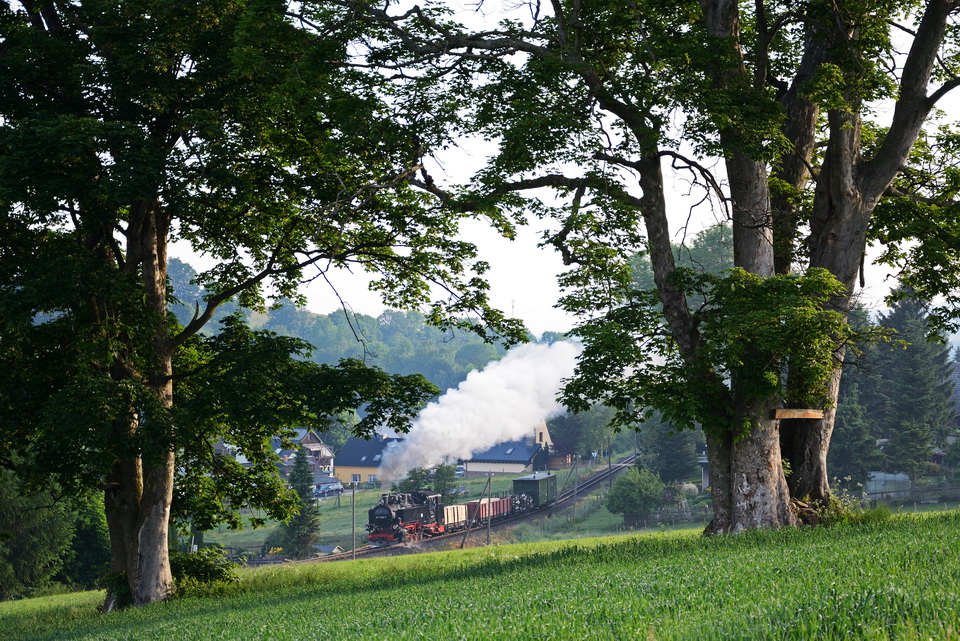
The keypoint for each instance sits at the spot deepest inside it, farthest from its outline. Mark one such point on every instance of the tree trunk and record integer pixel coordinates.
(138, 514)
(154, 580)
(838, 241)
(752, 228)
(848, 189)
(760, 495)
(747, 479)
(793, 169)
(140, 490)
(721, 487)
(121, 503)
(805, 443)
(757, 490)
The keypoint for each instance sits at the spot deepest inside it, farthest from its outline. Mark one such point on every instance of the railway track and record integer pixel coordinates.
(444, 541)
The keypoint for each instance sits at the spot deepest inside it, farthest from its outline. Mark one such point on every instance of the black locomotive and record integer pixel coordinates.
(403, 517)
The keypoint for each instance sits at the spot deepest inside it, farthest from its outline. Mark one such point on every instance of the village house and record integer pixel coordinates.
(513, 457)
(359, 460)
(318, 453)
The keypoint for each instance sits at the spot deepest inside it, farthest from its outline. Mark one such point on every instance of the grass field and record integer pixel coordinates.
(894, 579)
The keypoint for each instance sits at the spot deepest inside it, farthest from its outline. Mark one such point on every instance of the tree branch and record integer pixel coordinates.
(913, 105)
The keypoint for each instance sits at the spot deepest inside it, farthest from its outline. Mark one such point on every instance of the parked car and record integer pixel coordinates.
(334, 488)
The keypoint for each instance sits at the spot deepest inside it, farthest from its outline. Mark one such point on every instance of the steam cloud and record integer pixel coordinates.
(504, 402)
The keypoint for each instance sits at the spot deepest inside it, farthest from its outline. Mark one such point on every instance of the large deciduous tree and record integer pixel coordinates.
(589, 98)
(237, 129)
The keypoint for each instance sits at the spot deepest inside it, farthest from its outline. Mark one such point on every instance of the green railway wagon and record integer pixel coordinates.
(541, 485)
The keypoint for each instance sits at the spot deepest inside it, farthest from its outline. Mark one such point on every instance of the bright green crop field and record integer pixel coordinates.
(893, 579)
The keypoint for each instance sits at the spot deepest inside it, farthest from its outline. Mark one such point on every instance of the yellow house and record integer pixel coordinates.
(359, 460)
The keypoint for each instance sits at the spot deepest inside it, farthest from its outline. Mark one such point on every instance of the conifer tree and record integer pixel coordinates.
(302, 531)
(854, 453)
(916, 372)
(670, 453)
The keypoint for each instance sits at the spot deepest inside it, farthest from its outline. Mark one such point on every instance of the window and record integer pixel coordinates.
(510, 451)
(372, 478)
(355, 478)
(376, 458)
(363, 458)
(541, 437)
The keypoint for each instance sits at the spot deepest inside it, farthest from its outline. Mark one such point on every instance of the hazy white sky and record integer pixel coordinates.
(522, 276)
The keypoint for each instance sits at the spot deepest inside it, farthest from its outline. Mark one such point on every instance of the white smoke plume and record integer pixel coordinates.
(504, 402)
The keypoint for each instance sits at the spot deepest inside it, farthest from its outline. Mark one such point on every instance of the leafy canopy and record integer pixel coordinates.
(751, 330)
(237, 129)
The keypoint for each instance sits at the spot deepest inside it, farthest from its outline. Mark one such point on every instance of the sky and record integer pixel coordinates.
(522, 276)
(523, 281)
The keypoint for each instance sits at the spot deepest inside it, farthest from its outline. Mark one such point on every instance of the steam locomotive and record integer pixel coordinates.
(409, 516)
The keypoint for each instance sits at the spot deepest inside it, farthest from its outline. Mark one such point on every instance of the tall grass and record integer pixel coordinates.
(894, 579)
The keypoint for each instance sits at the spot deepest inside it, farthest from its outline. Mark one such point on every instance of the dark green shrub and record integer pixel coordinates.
(635, 491)
(205, 572)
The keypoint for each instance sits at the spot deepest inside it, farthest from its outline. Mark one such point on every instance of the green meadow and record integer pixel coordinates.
(893, 579)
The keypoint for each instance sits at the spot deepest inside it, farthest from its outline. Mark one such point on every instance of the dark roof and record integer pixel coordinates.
(359, 452)
(509, 452)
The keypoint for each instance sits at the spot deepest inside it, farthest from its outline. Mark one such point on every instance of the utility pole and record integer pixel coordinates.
(353, 516)
(576, 487)
(489, 504)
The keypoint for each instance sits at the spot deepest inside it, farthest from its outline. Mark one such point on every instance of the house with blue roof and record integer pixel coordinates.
(359, 460)
(513, 457)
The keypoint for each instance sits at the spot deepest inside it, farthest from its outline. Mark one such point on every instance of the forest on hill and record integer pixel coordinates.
(399, 342)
